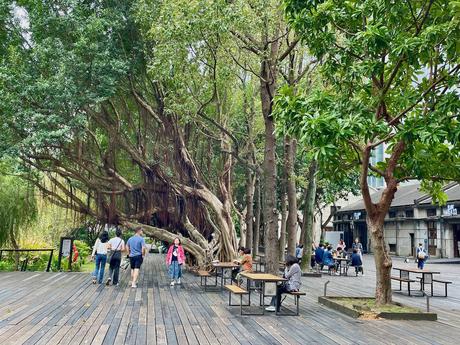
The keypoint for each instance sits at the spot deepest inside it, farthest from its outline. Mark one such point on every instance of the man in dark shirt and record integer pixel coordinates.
(356, 262)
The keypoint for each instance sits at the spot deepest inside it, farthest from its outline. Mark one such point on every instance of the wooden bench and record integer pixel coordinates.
(403, 280)
(205, 275)
(296, 295)
(237, 290)
(445, 282)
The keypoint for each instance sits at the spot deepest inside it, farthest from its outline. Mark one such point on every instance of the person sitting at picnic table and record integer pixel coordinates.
(356, 262)
(293, 274)
(328, 260)
(237, 270)
(421, 256)
(299, 251)
(319, 252)
(341, 246)
(245, 265)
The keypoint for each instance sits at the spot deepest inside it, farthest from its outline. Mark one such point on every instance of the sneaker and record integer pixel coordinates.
(178, 281)
(172, 283)
(337, 273)
(108, 282)
(271, 308)
(134, 286)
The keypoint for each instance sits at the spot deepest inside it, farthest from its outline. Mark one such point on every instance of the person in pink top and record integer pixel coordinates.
(175, 258)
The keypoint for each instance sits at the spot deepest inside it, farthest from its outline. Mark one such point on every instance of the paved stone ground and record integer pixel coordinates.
(65, 308)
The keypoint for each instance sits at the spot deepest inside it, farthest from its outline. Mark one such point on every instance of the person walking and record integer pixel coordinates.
(99, 254)
(175, 258)
(117, 246)
(136, 252)
(421, 256)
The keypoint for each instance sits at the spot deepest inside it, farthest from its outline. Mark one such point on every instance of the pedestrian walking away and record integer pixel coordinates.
(100, 256)
(175, 258)
(136, 253)
(421, 256)
(117, 246)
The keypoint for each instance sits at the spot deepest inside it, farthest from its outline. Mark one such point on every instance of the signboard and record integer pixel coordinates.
(66, 247)
(451, 210)
(356, 215)
(65, 251)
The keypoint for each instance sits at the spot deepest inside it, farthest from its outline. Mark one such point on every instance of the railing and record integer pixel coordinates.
(26, 261)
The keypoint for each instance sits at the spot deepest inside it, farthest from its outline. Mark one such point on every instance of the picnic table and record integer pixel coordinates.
(341, 268)
(262, 279)
(222, 266)
(426, 277)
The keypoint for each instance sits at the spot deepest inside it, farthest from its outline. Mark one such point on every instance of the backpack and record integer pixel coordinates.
(421, 254)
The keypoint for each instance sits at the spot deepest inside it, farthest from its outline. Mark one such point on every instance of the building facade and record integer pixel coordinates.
(412, 219)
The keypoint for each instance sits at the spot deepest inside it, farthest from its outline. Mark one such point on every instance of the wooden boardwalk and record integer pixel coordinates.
(66, 308)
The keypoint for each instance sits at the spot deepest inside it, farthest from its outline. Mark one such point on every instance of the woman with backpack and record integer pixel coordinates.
(421, 256)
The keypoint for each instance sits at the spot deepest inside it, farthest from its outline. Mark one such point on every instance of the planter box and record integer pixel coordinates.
(333, 302)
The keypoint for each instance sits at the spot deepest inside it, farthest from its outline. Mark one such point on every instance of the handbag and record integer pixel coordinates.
(115, 254)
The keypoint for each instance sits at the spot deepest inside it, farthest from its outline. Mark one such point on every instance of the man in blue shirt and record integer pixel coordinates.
(319, 252)
(136, 252)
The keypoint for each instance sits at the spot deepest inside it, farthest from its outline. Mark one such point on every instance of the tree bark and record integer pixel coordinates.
(268, 73)
(282, 238)
(291, 224)
(376, 218)
(250, 186)
(257, 215)
(308, 216)
(383, 263)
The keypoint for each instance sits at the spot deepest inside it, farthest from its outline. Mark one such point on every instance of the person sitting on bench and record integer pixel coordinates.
(237, 270)
(293, 273)
(246, 265)
(329, 261)
(356, 262)
(319, 252)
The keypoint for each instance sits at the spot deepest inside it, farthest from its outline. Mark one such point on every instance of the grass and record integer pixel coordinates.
(367, 305)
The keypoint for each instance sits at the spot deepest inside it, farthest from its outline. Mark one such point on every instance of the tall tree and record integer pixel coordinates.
(390, 77)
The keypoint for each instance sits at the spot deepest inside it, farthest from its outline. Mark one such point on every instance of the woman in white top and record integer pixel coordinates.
(116, 245)
(100, 253)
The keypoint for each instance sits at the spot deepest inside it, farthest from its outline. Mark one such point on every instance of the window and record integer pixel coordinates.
(431, 212)
(392, 214)
(409, 213)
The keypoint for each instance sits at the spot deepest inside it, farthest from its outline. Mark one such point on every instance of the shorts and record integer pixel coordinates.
(136, 261)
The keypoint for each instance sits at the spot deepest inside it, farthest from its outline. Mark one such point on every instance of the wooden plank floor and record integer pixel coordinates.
(66, 308)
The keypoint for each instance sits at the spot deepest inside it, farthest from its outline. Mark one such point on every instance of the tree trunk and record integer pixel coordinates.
(282, 238)
(382, 260)
(250, 185)
(308, 216)
(268, 73)
(291, 224)
(257, 214)
(270, 210)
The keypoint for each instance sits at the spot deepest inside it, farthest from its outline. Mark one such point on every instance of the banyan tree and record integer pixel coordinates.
(98, 135)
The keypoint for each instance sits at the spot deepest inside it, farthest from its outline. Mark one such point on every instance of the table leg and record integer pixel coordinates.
(400, 282)
(221, 277)
(263, 297)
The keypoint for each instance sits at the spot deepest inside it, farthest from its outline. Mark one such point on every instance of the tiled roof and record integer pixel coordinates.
(407, 195)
